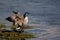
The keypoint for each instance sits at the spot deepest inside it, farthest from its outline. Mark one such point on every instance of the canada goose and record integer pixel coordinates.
(17, 19)
(25, 18)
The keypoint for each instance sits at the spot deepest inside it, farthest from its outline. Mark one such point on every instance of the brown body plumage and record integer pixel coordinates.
(18, 20)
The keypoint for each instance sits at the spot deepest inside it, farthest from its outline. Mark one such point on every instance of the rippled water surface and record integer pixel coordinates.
(44, 16)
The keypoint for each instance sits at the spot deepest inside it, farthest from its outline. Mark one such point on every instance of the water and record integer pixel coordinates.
(44, 15)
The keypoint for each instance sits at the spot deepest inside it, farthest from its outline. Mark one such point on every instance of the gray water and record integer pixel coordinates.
(44, 16)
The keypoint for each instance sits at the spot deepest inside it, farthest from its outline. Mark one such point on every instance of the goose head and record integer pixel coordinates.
(26, 13)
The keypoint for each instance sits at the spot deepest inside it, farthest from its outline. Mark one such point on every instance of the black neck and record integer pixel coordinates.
(24, 15)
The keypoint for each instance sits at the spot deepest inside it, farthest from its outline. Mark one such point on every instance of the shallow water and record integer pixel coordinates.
(44, 15)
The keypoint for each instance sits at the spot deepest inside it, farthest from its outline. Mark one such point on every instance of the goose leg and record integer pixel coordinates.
(20, 28)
